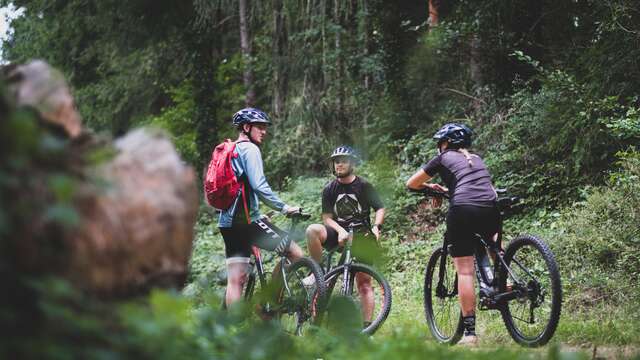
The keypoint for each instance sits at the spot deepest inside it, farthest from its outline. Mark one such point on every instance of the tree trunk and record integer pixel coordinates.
(245, 46)
(280, 58)
(367, 41)
(475, 61)
(434, 12)
(338, 72)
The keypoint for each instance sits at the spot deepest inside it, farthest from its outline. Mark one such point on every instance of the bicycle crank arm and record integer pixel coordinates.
(507, 296)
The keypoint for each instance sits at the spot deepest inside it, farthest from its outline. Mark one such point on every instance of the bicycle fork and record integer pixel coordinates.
(346, 285)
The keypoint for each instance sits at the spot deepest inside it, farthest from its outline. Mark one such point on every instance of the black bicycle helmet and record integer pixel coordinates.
(250, 116)
(457, 135)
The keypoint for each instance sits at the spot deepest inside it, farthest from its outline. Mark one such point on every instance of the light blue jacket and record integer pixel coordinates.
(249, 164)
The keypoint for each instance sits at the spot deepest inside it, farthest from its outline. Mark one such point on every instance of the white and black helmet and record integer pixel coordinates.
(345, 150)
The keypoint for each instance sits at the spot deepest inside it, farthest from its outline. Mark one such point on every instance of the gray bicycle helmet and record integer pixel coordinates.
(457, 135)
(250, 116)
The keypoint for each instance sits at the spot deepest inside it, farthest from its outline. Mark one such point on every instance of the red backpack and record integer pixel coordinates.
(221, 185)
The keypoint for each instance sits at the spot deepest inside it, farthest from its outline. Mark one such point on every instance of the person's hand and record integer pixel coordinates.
(376, 231)
(288, 210)
(437, 187)
(436, 201)
(342, 237)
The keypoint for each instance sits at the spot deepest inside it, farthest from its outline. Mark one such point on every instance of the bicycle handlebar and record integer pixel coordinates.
(429, 192)
(298, 215)
(504, 203)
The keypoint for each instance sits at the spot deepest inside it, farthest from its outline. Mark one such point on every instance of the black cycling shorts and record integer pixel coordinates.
(464, 221)
(261, 233)
(365, 247)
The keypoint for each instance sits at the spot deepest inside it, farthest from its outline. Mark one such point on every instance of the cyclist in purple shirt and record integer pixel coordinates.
(472, 208)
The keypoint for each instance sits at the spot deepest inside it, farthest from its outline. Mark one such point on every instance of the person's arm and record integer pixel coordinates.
(377, 222)
(420, 179)
(373, 198)
(327, 219)
(255, 174)
(328, 201)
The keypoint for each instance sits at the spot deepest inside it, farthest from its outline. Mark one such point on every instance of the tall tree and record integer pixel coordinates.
(280, 58)
(434, 12)
(245, 45)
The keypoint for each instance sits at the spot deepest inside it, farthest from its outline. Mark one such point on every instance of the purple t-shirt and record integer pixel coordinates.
(468, 185)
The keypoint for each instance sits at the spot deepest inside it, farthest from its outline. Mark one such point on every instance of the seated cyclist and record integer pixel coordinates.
(346, 201)
(472, 209)
(241, 225)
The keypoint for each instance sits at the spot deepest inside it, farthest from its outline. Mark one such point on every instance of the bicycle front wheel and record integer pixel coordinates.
(298, 304)
(441, 299)
(532, 317)
(367, 288)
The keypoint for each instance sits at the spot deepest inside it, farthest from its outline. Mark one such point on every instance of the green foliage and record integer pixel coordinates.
(557, 139)
(597, 239)
(118, 57)
(179, 120)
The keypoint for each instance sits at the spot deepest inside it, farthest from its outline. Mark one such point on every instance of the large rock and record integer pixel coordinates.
(137, 231)
(42, 87)
(137, 210)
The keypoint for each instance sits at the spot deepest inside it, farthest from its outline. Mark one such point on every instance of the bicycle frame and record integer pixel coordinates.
(345, 259)
(257, 264)
(485, 248)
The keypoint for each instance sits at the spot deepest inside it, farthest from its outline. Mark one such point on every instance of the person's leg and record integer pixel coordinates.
(365, 291)
(461, 229)
(237, 251)
(236, 277)
(466, 290)
(316, 236)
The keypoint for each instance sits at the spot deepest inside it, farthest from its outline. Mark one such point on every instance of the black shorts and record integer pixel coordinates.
(365, 247)
(261, 233)
(464, 221)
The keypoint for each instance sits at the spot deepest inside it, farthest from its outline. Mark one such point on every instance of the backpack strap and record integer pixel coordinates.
(244, 203)
(244, 192)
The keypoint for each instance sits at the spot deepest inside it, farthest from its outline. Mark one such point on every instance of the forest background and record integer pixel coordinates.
(551, 89)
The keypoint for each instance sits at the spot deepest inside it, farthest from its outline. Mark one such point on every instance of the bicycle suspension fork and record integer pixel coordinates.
(347, 265)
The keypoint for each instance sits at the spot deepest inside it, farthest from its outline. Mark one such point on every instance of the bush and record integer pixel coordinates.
(597, 240)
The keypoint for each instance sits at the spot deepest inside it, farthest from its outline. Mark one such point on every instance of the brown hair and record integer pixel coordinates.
(467, 155)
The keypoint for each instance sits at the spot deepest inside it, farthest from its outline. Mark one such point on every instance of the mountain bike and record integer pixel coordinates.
(285, 297)
(522, 282)
(340, 278)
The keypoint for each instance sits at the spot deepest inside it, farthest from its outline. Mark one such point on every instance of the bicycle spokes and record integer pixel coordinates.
(532, 311)
(440, 298)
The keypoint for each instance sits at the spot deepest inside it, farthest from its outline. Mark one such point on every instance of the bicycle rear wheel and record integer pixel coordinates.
(531, 318)
(374, 305)
(299, 305)
(441, 307)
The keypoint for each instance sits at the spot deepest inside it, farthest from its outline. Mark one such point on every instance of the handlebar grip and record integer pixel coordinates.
(299, 215)
(429, 192)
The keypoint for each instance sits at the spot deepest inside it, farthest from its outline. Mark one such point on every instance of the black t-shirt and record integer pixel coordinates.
(350, 203)
(468, 185)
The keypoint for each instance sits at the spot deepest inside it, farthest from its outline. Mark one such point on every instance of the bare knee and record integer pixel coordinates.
(315, 232)
(236, 274)
(295, 252)
(464, 265)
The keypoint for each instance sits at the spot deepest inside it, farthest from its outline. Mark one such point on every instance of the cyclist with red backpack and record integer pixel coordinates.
(235, 184)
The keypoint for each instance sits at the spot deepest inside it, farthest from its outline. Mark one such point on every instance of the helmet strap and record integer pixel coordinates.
(248, 133)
